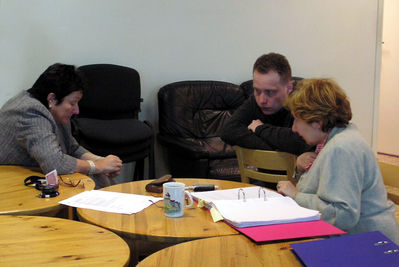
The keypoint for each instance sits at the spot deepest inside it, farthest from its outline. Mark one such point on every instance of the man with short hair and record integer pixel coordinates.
(262, 122)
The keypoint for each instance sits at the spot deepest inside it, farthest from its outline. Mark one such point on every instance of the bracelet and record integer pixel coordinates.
(92, 167)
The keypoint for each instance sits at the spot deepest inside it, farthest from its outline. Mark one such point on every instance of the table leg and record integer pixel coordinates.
(70, 213)
(139, 249)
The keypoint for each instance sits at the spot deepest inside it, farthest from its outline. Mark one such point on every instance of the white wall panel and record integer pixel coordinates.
(173, 40)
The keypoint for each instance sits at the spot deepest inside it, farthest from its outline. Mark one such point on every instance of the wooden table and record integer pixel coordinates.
(18, 199)
(48, 241)
(234, 250)
(150, 230)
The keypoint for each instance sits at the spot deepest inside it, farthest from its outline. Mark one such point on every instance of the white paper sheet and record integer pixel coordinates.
(110, 201)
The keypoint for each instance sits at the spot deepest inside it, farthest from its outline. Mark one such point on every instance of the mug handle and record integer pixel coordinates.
(189, 197)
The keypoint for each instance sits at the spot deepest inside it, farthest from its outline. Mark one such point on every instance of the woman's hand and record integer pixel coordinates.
(287, 189)
(304, 160)
(110, 165)
(112, 174)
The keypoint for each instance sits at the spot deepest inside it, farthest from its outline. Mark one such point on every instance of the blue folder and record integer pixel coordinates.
(365, 249)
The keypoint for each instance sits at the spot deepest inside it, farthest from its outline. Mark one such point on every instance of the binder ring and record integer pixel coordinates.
(391, 251)
(243, 194)
(264, 193)
(380, 243)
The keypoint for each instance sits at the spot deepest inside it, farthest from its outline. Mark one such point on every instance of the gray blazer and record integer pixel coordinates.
(29, 136)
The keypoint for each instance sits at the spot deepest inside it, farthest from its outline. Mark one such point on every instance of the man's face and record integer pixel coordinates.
(269, 92)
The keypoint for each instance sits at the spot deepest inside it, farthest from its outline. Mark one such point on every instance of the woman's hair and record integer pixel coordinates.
(322, 100)
(59, 79)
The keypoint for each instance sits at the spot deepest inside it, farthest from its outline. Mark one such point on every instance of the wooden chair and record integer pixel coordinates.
(390, 175)
(251, 160)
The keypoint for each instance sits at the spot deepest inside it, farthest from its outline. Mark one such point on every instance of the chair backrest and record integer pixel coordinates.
(113, 92)
(251, 161)
(390, 175)
(197, 109)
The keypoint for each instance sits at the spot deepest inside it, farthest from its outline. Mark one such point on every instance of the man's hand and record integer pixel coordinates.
(304, 160)
(254, 124)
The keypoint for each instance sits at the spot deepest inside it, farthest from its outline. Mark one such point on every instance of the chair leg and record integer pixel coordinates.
(139, 170)
(151, 153)
(151, 162)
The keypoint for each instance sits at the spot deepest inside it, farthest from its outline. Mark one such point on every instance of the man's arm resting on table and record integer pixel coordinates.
(282, 139)
(236, 130)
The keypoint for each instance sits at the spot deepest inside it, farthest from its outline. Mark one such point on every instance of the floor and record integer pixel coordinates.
(388, 158)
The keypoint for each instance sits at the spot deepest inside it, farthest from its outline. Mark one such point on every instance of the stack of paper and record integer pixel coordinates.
(257, 209)
(255, 212)
(232, 194)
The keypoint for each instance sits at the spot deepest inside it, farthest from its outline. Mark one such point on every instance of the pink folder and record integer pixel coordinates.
(289, 231)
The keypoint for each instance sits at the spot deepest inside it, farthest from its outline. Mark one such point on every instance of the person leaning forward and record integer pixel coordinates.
(342, 180)
(262, 122)
(35, 128)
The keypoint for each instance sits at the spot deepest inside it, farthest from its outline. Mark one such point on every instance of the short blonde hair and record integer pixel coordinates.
(322, 100)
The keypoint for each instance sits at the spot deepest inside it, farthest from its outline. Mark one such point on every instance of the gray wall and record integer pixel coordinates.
(173, 40)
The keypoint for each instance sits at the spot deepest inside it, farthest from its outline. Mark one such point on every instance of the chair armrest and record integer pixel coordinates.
(149, 124)
(190, 147)
(393, 193)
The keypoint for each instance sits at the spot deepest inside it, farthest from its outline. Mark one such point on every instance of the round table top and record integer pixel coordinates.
(18, 199)
(40, 240)
(234, 250)
(152, 225)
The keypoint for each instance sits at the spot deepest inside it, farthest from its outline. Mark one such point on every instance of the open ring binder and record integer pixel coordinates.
(242, 192)
(275, 219)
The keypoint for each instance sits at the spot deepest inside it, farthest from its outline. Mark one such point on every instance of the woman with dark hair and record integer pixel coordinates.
(35, 128)
(342, 178)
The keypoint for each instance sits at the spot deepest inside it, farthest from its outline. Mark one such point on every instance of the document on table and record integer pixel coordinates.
(110, 201)
(255, 212)
(205, 198)
(232, 194)
(254, 206)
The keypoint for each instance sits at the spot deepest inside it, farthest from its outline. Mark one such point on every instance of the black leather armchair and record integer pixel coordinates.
(191, 117)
